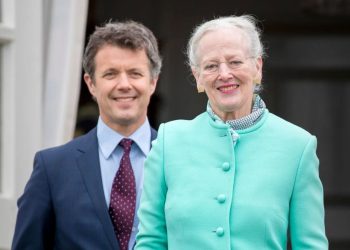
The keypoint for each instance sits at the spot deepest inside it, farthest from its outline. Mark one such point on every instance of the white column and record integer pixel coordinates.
(62, 81)
(39, 89)
(21, 102)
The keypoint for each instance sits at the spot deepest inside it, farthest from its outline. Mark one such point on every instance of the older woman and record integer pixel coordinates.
(236, 176)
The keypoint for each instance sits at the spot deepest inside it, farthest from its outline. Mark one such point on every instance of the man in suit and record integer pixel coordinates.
(85, 194)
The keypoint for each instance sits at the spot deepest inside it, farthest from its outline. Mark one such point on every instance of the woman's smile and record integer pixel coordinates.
(228, 88)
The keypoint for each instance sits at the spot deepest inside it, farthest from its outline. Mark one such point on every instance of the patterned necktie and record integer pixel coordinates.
(123, 198)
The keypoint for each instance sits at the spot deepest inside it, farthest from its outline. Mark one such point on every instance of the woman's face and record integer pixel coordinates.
(227, 72)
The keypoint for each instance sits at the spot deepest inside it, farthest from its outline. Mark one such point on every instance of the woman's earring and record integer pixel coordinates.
(200, 88)
(258, 86)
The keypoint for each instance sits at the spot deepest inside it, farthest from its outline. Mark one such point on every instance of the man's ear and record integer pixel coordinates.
(90, 84)
(154, 82)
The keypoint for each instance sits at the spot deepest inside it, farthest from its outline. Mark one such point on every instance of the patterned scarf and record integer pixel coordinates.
(244, 122)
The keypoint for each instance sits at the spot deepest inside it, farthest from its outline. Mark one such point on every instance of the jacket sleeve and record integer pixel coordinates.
(152, 228)
(307, 226)
(35, 220)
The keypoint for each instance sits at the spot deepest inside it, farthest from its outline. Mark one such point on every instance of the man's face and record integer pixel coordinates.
(122, 87)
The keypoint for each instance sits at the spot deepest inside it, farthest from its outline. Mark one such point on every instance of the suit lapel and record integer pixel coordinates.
(153, 134)
(89, 166)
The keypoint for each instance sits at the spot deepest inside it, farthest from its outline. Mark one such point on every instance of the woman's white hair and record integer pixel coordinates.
(246, 23)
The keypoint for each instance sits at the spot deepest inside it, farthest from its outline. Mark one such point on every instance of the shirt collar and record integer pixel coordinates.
(108, 139)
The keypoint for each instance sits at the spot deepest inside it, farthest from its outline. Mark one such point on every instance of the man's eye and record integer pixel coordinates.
(109, 75)
(136, 74)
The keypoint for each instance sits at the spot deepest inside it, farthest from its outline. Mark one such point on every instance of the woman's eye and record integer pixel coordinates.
(235, 62)
(210, 66)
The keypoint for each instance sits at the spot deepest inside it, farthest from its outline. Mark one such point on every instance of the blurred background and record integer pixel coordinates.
(306, 78)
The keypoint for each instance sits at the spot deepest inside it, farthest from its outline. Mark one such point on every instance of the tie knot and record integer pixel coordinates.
(126, 144)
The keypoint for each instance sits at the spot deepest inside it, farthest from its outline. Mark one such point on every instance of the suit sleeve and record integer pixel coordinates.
(35, 220)
(307, 226)
(152, 228)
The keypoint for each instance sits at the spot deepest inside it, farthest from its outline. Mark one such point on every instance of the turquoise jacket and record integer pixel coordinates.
(202, 191)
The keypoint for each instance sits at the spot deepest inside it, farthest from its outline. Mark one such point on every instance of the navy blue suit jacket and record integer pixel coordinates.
(63, 204)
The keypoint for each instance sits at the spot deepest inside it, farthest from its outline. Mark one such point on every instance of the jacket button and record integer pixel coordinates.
(219, 231)
(221, 198)
(226, 166)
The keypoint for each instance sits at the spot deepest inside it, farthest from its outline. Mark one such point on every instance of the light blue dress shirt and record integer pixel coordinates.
(110, 153)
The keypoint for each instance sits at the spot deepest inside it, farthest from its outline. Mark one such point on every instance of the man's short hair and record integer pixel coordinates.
(129, 34)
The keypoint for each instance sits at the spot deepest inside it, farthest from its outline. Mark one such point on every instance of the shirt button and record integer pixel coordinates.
(219, 231)
(226, 166)
(221, 198)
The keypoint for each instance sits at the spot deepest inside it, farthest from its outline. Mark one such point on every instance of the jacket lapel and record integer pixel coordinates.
(153, 135)
(89, 166)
